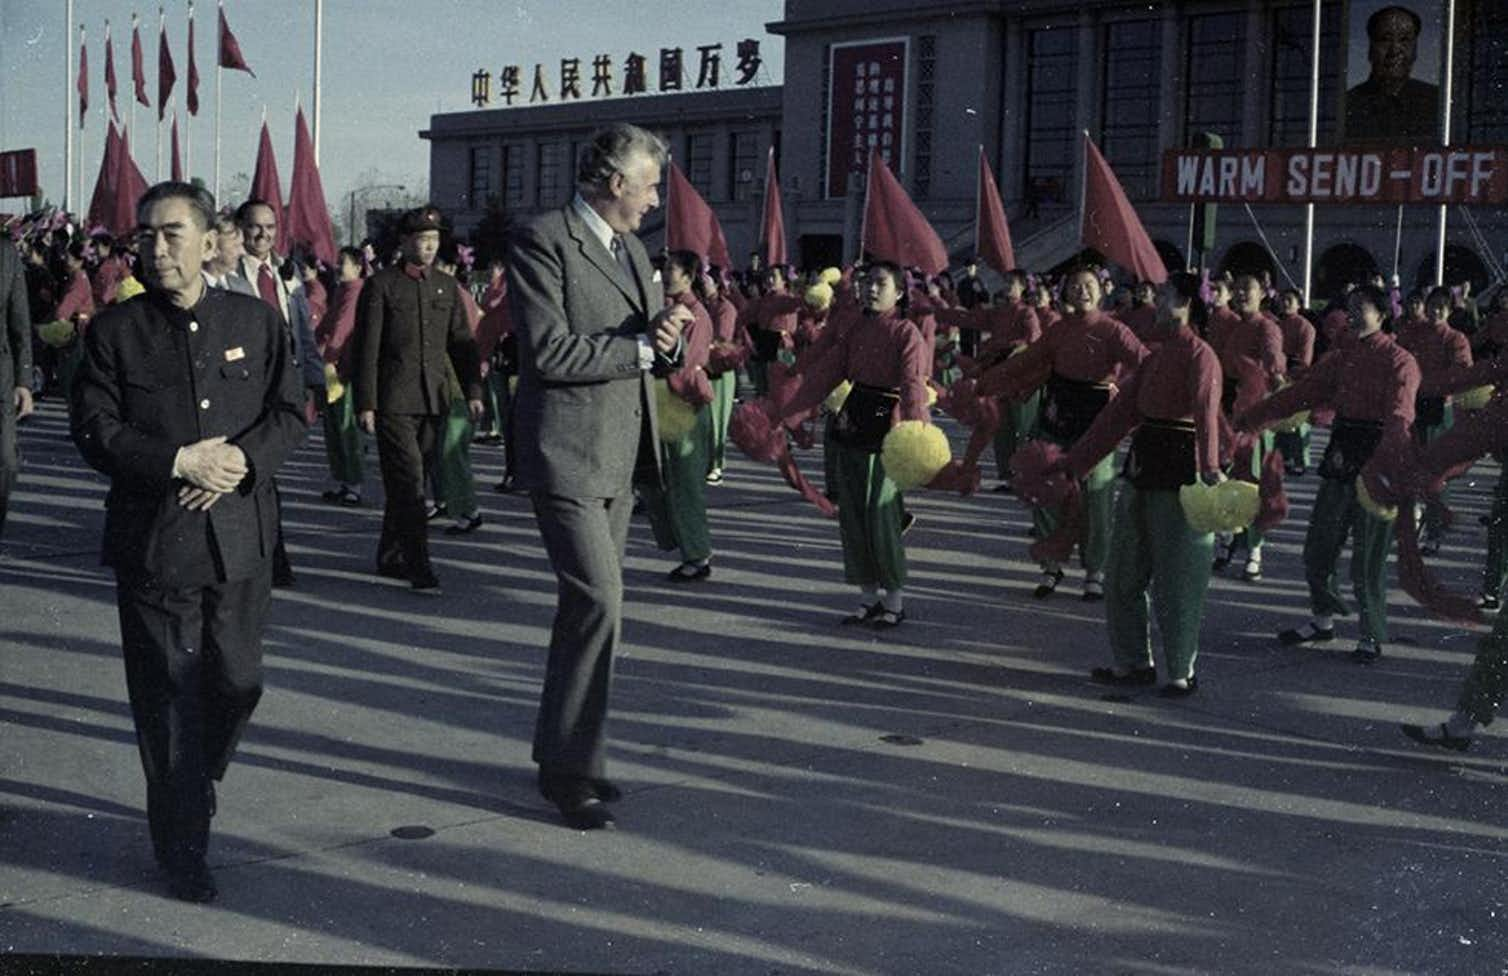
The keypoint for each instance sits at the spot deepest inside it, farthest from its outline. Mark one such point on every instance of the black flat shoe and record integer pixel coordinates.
(465, 528)
(1421, 735)
(607, 791)
(1135, 678)
(193, 884)
(424, 583)
(1367, 653)
(886, 619)
(863, 615)
(689, 573)
(1179, 691)
(1310, 634)
(1049, 584)
(579, 805)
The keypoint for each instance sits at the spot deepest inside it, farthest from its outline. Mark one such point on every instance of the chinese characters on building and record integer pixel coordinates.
(866, 108)
(631, 75)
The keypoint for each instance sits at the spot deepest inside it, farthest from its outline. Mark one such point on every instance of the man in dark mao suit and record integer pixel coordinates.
(592, 329)
(188, 400)
(15, 367)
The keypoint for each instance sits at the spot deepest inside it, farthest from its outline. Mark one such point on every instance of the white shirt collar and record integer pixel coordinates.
(594, 222)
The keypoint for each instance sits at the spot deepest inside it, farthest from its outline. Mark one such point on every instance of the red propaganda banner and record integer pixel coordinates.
(866, 108)
(1455, 174)
(18, 173)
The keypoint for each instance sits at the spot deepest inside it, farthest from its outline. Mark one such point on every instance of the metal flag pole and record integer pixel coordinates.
(1314, 84)
(1398, 243)
(319, 33)
(188, 117)
(162, 25)
(1445, 93)
(219, 83)
(77, 198)
(978, 199)
(131, 116)
(68, 96)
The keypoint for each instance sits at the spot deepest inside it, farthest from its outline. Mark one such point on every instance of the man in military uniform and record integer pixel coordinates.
(15, 367)
(411, 336)
(188, 401)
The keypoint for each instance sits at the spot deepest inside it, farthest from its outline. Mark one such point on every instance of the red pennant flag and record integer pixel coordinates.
(772, 229)
(230, 51)
(166, 76)
(191, 93)
(894, 229)
(130, 186)
(308, 217)
(177, 161)
(992, 234)
(83, 82)
(102, 203)
(691, 225)
(138, 66)
(265, 184)
(1110, 223)
(110, 72)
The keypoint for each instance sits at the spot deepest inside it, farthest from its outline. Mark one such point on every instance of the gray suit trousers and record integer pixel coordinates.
(585, 539)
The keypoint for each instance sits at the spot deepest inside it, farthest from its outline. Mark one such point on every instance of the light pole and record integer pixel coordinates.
(351, 227)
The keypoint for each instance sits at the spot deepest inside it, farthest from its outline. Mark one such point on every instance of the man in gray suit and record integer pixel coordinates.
(15, 367)
(592, 330)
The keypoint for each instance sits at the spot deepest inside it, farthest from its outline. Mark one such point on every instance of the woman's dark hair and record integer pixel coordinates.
(1439, 293)
(1373, 296)
(689, 263)
(354, 253)
(897, 275)
(1188, 287)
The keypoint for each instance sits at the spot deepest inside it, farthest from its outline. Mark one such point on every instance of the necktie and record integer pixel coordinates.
(268, 288)
(621, 253)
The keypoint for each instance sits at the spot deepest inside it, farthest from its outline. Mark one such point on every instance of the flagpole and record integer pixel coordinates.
(1083, 186)
(1314, 84)
(69, 93)
(131, 118)
(78, 164)
(219, 83)
(319, 33)
(978, 199)
(864, 218)
(1450, 70)
(188, 117)
(162, 25)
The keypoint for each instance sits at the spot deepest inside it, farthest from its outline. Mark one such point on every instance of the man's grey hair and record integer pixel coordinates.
(200, 200)
(611, 150)
(225, 223)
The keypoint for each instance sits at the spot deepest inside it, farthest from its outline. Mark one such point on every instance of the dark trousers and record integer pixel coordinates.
(403, 442)
(10, 457)
(194, 674)
(585, 539)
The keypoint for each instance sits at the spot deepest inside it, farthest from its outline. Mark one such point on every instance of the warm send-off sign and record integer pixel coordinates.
(1467, 175)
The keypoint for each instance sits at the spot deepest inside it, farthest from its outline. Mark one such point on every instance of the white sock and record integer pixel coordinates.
(1323, 621)
(1094, 577)
(894, 600)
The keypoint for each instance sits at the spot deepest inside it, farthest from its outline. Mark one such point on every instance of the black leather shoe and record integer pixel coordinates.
(193, 884)
(1310, 634)
(424, 582)
(1444, 740)
(1133, 678)
(1049, 584)
(607, 790)
(864, 615)
(689, 572)
(1179, 691)
(579, 805)
(392, 571)
(465, 528)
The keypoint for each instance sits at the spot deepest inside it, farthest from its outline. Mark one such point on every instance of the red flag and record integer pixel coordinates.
(1110, 223)
(772, 229)
(83, 82)
(230, 52)
(894, 230)
(191, 93)
(265, 184)
(130, 186)
(166, 76)
(102, 203)
(308, 217)
(110, 72)
(691, 225)
(176, 172)
(992, 235)
(138, 67)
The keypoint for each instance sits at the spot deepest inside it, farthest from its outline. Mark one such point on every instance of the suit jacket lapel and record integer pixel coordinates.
(593, 251)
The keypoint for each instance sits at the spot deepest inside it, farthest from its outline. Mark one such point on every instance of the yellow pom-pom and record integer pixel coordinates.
(1293, 424)
(838, 396)
(334, 388)
(913, 453)
(931, 395)
(1473, 399)
(1198, 501)
(676, 416)
(831, 276)
(129, 287)
(56, 334)
(1387, 513)
(819, 296)
(1236, 505)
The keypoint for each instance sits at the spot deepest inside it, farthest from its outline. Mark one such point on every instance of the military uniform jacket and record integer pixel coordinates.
(15, 342)
(156, 378)
(407, 327)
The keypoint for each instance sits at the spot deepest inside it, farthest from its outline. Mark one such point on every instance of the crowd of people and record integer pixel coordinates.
(193, 353)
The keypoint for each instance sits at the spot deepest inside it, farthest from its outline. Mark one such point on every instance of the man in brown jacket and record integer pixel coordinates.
(411, 334)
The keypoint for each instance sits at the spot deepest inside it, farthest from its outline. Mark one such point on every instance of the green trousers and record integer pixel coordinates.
(721, 407)
(1435, 507)
(454, 485)
(1487, 682)
(1496, 569)
(678, 511)
(1153, 548)
(869, 520)
(1294, 444)
(1099, 511)
(1265, 444)
(1017, 421)
(1336, 515)
(343, 440)
(495, 399)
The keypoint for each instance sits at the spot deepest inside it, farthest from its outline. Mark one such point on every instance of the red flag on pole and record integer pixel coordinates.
(992, 235)
(308, 217)
(130, 186)
(894, 229)
(138, 67)
(265, 184)
(110, 72)
(1110, 224)
(83, 82)
(772, 229)
(176, 171)
(691, 225)
(191, 93)
(230, 51)
(166, 76)
(102, 203)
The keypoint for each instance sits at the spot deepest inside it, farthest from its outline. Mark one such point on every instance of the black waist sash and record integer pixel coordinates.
(1351, 445)
(865, 418)
(1429, 411)
(1070, 406)
(766, 343)
(1162, 456)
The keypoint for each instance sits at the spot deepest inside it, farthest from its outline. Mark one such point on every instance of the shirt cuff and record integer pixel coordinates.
(177, 462)
(646, 353)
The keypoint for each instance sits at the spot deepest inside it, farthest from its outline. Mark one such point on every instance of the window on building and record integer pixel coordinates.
(1130, 104)
(1216, 83)
(551, 191)
(1292, 32)
(743, 164)
(483, 175)
(1051, 91)
(699, 146)
(1487, 105)
(513, 176)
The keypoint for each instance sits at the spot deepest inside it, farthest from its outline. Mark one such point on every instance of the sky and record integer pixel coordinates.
(388, 65)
